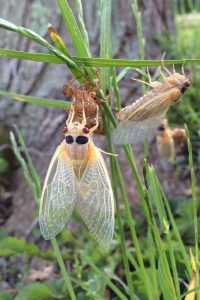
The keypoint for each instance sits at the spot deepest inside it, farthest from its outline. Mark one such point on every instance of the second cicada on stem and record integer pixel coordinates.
(139, 120)
(77, 176)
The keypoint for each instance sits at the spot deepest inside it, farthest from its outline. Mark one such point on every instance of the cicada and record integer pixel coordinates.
(138, 121)
(77, 176)
(168, 142)
(165, 143)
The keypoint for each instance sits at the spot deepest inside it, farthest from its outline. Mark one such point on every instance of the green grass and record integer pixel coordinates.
(150, 251)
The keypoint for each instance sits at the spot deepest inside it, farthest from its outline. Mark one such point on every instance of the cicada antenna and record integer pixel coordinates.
(84, 121)
(71, 115)
(182, 68)
(149, 76)
(142, 81)
(174, 70)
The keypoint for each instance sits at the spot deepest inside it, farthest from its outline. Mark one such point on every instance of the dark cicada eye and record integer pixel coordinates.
(185, 86)
(69, 139)
(81, 139)
(161, 128)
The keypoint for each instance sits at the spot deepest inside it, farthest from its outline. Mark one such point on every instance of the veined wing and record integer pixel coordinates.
(96, 203)
(142, 121)
(150, 105)
(59, 194)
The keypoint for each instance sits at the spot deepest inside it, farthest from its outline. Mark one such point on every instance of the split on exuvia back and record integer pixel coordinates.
(140, 119)
(77, 176)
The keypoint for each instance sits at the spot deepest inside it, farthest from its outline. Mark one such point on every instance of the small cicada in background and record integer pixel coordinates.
(85, 97)
(139, 120)
(77, 176)
(168, 140)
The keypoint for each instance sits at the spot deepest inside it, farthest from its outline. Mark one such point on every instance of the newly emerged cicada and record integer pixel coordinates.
(138, 121)
(77, 176)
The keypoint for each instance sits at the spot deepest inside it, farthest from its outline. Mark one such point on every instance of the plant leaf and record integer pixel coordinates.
(37, 101)
(14, 246)
(36, 291)
(92, 62)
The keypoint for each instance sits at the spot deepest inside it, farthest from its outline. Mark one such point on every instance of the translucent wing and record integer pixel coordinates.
(59, 194)
(96, 202)
(142, 120)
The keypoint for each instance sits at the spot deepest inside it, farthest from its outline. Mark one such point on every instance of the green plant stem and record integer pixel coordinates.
(177, 235)
(92, 62)
(129, 155)
(63, 269)
(107, 280)
(37, 101)
(114, 173)
(173, 265)
(195, 206)
(141, 44)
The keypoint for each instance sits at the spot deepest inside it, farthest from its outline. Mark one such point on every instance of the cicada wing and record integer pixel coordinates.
(59, 194)
(142, 122)
(132, 132)
(96, 202)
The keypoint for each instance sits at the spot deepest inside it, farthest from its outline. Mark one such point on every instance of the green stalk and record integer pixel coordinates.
(45, 102)
(140, 38)
(195, 206)
(114, 174)
(38, 39)
(173, 265)
(63, 269)
(129, 154)
(105, 51)
(138, 21)
(107, 280)
(91, 61)
(152, 259)
(82, 24)
(177, 235)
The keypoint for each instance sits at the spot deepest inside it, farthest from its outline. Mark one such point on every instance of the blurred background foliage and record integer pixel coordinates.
(27, 263)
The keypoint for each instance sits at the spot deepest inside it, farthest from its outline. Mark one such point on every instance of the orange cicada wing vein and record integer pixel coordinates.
(142, 121)
(59, 194)
(96, 203)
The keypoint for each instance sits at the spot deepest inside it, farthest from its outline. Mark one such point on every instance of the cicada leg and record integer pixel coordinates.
(97, 121)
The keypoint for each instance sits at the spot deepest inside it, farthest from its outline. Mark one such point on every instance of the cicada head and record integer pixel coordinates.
(179, 81)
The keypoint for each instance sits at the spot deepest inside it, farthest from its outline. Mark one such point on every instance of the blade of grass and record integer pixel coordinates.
(155, 197)
(37, 101)
(107, 280)
(92, 62)
(137, 15)
(24, 166)
(105, 51)
(195, 206)
(125, 200)
(32, 171)
(76, 36)
(38, 39)
(83, 30)
(63, 269)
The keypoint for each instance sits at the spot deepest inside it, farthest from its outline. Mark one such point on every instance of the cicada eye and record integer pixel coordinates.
(64, 130)
(161, 128)
(186, 84)
(86, 130)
